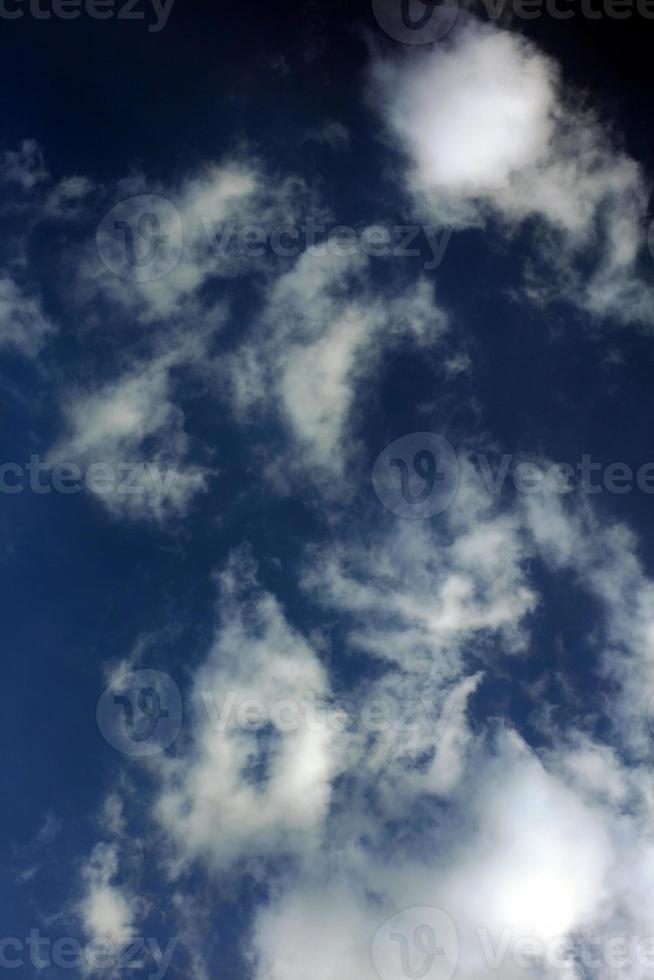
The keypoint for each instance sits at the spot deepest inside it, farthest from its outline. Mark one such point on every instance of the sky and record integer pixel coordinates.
(326, 487)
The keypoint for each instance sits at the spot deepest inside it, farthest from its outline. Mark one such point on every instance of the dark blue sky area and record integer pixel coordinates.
(79, 588)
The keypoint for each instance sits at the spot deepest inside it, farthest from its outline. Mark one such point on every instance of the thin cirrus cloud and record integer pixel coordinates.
(24, 327)
(319, 336)
(132, 426)
(319, 331)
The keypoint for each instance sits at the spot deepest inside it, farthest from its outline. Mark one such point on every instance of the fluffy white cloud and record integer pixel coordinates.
(251, 785)
(516, 846)
(487, 130)
(521, 858)
(106, 909)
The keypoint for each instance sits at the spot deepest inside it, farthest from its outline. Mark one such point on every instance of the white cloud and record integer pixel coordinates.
(603, 559)
(68, 197)
(512, 843)
(23, 325)
(417, 596)
(106, 910)
(521, 855)
(487, 130)
(241, 791)
(24, 166)
(320, 336)
(202, 222)
(595, 769)
(133, 426)
(500, 836)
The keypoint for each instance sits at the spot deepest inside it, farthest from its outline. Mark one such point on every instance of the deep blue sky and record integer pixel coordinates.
(80, 585)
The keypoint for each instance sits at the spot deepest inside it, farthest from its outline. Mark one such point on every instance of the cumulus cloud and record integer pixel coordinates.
(250, 786)
(487, 131)
(514, 844)
(486, 875)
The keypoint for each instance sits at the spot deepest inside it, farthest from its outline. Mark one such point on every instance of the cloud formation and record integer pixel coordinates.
(488, 131)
